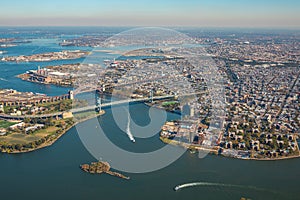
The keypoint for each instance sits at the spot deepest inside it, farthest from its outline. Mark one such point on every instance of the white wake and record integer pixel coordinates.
(3, 79)
(128, 130)
(195, 184)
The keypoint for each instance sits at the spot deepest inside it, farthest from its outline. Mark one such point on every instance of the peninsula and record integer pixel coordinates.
(45, 57)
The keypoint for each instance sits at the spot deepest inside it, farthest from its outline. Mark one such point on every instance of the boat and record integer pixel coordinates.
(176, 188)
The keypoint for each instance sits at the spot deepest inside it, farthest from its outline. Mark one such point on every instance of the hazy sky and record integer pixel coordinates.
(221, 13)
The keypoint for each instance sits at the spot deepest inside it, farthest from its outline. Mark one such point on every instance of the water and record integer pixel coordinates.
(53, 172)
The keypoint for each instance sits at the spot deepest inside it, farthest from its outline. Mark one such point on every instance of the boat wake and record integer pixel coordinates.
(2, 79)
(128, 131)
(199, 184)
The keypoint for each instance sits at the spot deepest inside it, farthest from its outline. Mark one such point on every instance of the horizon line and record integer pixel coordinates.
(171, 26)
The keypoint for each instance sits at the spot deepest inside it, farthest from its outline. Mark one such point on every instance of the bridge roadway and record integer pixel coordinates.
(87, 108)
(115, 103)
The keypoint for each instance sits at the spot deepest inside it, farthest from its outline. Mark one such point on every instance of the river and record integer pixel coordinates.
(53, 172)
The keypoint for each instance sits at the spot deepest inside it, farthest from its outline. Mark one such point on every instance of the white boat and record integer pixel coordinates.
(176, 188)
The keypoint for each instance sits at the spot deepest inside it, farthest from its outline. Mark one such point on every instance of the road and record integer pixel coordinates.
(93, 107)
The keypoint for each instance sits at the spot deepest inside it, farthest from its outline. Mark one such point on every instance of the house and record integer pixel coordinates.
(228, 145)
(255, 130)
(17, 126)
(279, 137)
(35, 127)
(2, 131)
(255, 145)
(269, 141)
(280, 143)
(238, 137)
(242, 145)
(232, 134)
(269, 136)
(290, 137)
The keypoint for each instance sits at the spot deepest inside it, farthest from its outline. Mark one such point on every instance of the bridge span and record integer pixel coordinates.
(93, 107)
(120, 102)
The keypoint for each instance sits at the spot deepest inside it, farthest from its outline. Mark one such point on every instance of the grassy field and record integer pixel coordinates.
(41, 136)
(168, 103)
(6, 124)
(21, 138)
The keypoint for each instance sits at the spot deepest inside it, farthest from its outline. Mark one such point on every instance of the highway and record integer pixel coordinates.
(120, 102)
(93, 107)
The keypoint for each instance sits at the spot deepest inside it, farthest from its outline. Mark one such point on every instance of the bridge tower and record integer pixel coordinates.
(151, 95)
(98, 104)
(71, 94)
(101, 89)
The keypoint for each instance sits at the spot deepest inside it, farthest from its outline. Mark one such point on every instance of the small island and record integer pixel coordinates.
(99, 168)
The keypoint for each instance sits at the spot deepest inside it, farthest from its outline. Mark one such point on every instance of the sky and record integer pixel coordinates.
(199, 13)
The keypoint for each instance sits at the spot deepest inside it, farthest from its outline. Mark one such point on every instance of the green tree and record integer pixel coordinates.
(26, 120)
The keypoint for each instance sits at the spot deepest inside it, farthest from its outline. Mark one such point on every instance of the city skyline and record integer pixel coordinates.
(216, 13)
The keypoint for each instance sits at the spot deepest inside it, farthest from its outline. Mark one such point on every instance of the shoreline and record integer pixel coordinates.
(215, 151)
(48, 56)
(20, 76)
(275, 159)
(51, 142)
(164, 140)
(263, 159)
